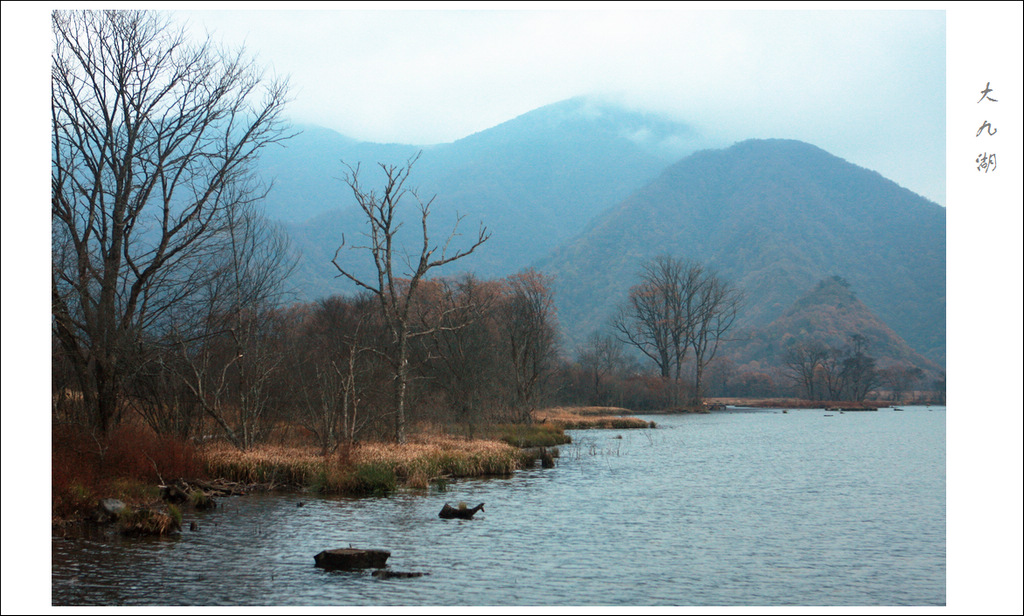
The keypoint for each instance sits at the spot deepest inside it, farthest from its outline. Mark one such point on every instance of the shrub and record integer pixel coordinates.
(175, 514)
(532, 435)
(200, 500)
(370, 480)
(138, 522)
(126, 464)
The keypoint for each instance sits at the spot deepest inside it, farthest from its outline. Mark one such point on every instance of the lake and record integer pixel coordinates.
(734, 508)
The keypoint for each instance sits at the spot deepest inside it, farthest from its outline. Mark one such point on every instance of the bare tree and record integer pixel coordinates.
(831, 374)
(600, 358)
(859, 370)
(230, 334)
(156, 393)
(655, 317)
(395, 286)
(678, 305)
(846, 372)
(462, 347)
(529, 328)
(900, 378)
(802, 362)
(154, 141)
(331, 368)
(714, 308)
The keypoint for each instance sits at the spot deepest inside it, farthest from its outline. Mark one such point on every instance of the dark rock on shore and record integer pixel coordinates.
(108, 510)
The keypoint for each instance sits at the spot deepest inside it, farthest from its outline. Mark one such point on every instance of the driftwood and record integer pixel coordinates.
(351, 558)
(185, 492)
(173, 494)
(464, 513)
(220, 487)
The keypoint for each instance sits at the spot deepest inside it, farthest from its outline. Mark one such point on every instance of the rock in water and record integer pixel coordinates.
(449, 513)
(351, 558)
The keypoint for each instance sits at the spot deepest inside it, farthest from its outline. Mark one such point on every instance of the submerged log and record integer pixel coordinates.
(351, 558)
(384, 574)
(464, 513)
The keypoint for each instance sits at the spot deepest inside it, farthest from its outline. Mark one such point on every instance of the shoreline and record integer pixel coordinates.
(362, 469)
(796, 403)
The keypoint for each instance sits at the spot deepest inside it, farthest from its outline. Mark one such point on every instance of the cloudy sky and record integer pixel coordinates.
(868, 86)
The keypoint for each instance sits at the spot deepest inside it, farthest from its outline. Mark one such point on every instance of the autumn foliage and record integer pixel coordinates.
(87, 466)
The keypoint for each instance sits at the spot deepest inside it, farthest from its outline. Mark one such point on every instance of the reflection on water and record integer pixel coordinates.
(733, 508)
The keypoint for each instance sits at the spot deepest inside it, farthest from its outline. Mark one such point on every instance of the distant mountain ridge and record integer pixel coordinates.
(774, 217)
(587, 191)
(534, 181)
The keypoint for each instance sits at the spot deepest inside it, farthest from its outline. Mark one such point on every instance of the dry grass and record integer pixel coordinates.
(268, 464)
(140, 522)
(366, 468)
(529, 435)
(418, 463)
(588, 417)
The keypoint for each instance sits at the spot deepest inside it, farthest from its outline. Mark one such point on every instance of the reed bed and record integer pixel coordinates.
(530, 435)
(417, 464)
(366, 468)
(268, 464)
(590, 411)
(590, 417)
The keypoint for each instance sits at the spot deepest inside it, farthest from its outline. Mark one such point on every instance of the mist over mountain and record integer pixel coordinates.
(587, 191)
(534, 182)
(774, 217)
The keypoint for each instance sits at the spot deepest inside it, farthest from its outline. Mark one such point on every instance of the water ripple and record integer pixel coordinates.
(723, 509)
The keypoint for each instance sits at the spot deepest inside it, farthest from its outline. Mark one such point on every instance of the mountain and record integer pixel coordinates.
(829, 313)
(305, 171)
(534, 181)
(773, 217)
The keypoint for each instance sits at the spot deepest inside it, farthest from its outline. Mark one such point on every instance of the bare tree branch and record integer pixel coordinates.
(396, 291)
(153, 144)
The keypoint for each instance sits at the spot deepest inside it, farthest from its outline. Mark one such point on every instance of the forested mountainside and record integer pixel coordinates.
(774, 217)
(829, 315)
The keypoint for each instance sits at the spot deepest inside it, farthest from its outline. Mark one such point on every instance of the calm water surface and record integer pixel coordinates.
(733, 508)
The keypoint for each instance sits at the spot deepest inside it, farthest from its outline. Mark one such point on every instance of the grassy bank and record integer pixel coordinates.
(132, 462)
(366, 468)
(589, 417)
(529, 435)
